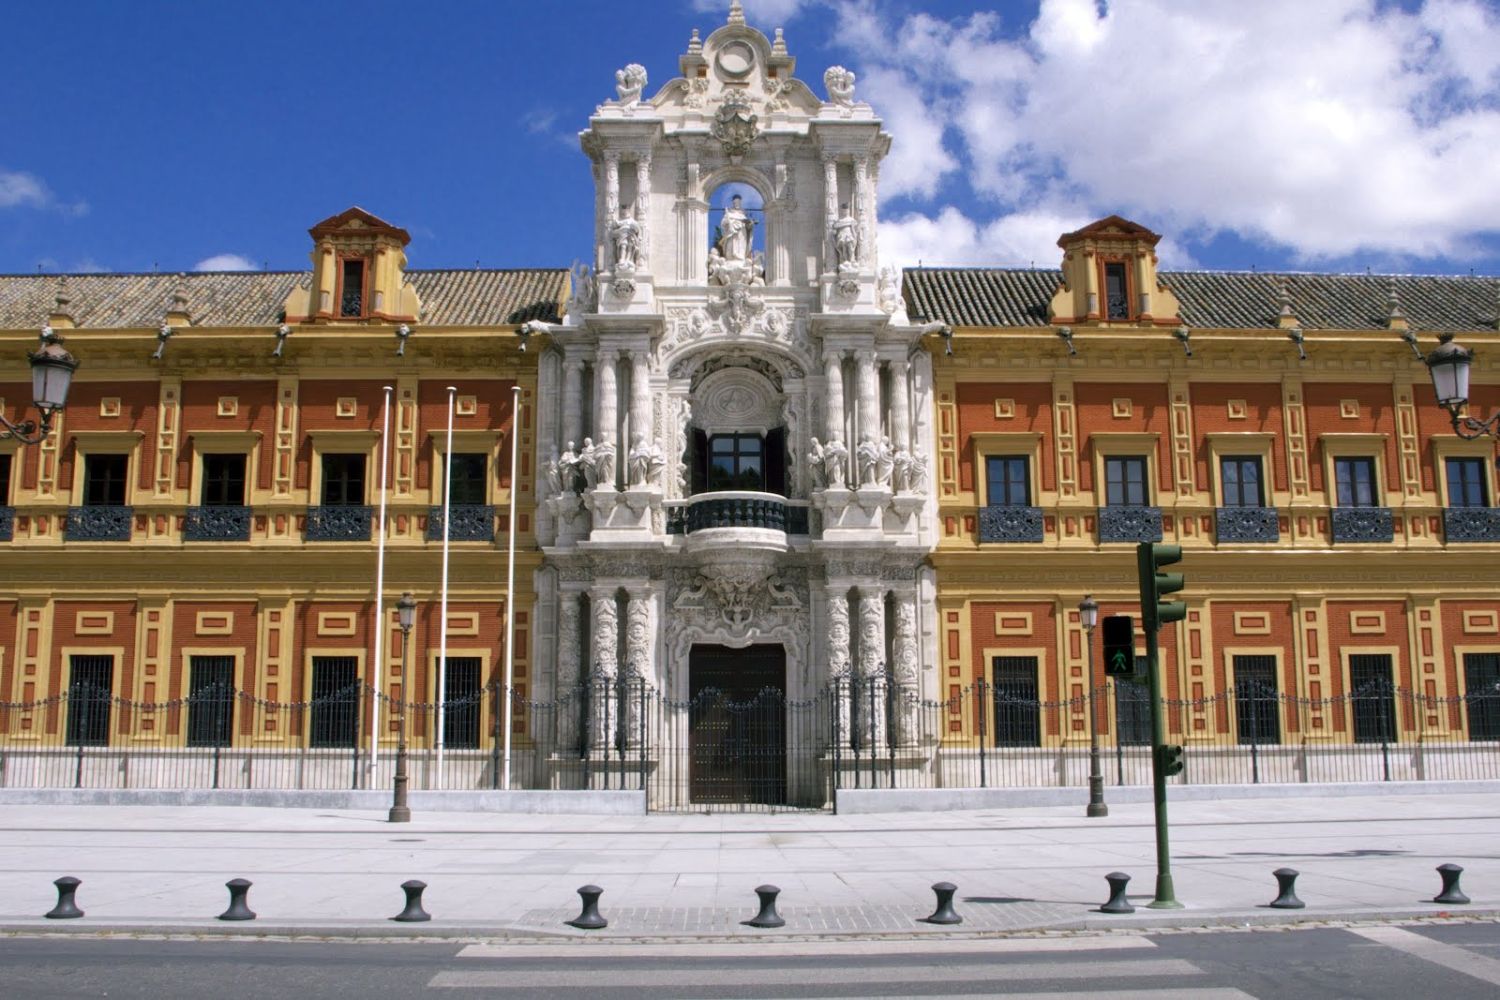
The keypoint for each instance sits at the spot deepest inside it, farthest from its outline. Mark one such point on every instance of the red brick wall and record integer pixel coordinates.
(1210, 402)
(1377, 415)
(975, 403)
(1150, 414)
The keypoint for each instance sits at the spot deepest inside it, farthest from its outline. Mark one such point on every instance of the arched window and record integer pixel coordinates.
(737, 221)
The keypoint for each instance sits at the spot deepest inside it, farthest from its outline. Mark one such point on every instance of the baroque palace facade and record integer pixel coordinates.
(749, 458)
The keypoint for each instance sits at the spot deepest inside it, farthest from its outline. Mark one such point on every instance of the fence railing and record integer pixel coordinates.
(765, 752)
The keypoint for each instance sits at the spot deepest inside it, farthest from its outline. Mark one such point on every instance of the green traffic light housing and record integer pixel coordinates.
(1119, 646)
(1171, 759)
(1150, 557)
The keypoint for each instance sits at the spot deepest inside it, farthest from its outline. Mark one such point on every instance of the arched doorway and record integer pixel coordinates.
(737, 725)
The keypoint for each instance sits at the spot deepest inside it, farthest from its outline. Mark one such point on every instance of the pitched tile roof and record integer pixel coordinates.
(995, 297)
(254, 298)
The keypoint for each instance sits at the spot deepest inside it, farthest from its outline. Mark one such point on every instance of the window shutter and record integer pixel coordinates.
(776, 461)
(698, 461)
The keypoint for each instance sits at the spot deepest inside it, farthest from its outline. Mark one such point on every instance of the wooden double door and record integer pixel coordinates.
(737, 725)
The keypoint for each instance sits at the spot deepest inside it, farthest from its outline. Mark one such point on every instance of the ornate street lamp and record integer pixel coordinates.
(1088, 615)
(52, 370)
(1449, 366)
(406, 616)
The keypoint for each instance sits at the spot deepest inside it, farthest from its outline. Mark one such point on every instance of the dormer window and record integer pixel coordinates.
(1116, 291)
(358, 274)
(352, 288)
(1109, 276)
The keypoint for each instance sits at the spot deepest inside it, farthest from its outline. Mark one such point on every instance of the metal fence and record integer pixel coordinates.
(767, 752)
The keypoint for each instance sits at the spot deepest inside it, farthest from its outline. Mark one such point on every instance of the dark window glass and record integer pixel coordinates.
(1009, 479)
(775, 473)
(4, 479)
(1355, 478)
(90, 692)
(1241, 478)
(104, 480)
(1125, 481)
(1256, 706)
(352, 301)
(1482, 694)
(223, 480)
(735, 462)
(210, 701)
(1372, 697)
(1466, 483)
(1116, 291)
(468, 483)
(343, 480)
(463, 702)
(1133, 709)
(335, 702)
(1018, 713)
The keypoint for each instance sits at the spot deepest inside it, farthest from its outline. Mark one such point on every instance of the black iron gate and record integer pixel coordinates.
(737, 725)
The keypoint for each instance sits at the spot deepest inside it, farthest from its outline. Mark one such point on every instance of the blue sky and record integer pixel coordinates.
(1327, 135)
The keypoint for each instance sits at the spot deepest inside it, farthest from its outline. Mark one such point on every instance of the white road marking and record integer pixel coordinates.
(761, 947)
(1449, 956)
(563, 979)
(1222, 993)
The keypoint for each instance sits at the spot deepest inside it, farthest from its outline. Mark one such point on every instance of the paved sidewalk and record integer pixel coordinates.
(325, 873)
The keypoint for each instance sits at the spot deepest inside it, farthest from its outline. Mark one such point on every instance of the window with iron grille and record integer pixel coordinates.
(1466, 486)
(1372, 697)
(1116, 291)
(210, 721)
(343, 480)
(1240, 475)
(335, 702)
(90, 694)
(224, 480)
(1482, 695)
(463, 703)
(1125, 481)
(1133, 709)
(1009, 480)
(4, 478)
(467, 485)
(104, 480)
(1017, 710)
(352, 288)
(1256, 705)
(1354, 477)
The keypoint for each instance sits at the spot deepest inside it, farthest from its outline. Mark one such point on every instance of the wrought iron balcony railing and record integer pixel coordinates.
(339, 524)
(217, 524)
(472, 522)
(1460, 524)
(737, 510)
(1010, 524)
(7, 523)
(1362, 524)
(1129, 524)
(99, 524)
(1246, 524)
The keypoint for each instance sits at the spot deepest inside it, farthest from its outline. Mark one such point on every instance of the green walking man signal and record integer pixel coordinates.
(1119, 646)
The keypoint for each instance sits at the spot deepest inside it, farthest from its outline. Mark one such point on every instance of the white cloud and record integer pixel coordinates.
(761, 13)
(226, 262)
(19, 189)
(1329, 128)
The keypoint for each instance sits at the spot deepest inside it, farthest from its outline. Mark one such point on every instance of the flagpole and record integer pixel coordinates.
(385, 427)
(510, 579)
(443, 600)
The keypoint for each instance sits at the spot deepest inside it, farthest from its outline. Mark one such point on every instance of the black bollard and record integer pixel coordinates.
(767, 917)
(413, 913)
(238, 888)
(1286, 888)
(66, 908)
(944, 914)
(589, 919)
(1118, 903)
(1451, 892)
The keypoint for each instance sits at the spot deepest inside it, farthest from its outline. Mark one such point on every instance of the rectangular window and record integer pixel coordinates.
(210, 701)
(1018, 713)
(735, 462)
(1355, 480)
(463, 704)
(223, 480)
(1482, 695)
(1125, 481)
(1466, 487)
(90, 694)
(1116, 291)
(335, 702)
(1009, 478)
(1256, 705)
(5, 479)
(1133, 709)
(343, 480)
(468, 483)
(352, 295)
(1240, 475)
(104, 480)
(1372, 697)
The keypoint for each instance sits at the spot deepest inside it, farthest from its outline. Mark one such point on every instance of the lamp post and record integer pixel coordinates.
(1088, 615)
(406, 615)
(1449, 364)
(52, 370)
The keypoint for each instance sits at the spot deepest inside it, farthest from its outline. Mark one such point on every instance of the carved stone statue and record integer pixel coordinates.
(846, 238)
(736, 230)
(656, 464)
(568, 470)
(629, 82)
(625, 240)
(582, 295)
(638, 463)
(867, 457)
(889, 292)
(884, 462)
(901, 471)
(835, 461)
(840, 84)
(604, 464)
(916, 478)
(815, 469)
(554, 473)
(587, 464)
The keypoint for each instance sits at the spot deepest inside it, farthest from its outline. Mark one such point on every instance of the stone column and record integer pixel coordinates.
(833, 375)
(639, 649)
(643, 208)
(867, 388)
(607, 420)
(611, 195)
(572, 403)
(568, 695)
(640, 401)
(839, 675)
(905, 667)
(604, 669)
(830, 208)
(874, 688)
(862, 205)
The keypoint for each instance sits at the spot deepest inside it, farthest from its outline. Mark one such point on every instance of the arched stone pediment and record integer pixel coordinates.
(736, 400)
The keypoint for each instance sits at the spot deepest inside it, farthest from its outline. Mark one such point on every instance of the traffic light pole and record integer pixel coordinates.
(1154, 611)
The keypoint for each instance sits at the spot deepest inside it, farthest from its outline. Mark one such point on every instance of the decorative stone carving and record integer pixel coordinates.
(604, 465)
(735, 399)
(840, 84)
(867, 458)
(587, 463)
(629, 83)
(736, 307)
(645, 462)
(846, 239)
(835, 462)
(605, 668)
(638, 636)
(815, 468)
(735, 126)
(625, 241)
(884, 462)
(554, 472)
(888, 294)
(736, 232)
(583, 290)
(904, 644)
(623, 288)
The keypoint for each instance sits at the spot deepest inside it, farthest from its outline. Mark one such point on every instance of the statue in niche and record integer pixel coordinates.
(646, 462)
(884, 462)
(625, 240)
(554, 471)
(629, 83)
(840, 85)
(835, 461)
(867, 457)
(736, 230)
(604, 464)
(916, 477)
(587, 464)
(815, 469)
(568, 470)
(846, 239)
(901, 471)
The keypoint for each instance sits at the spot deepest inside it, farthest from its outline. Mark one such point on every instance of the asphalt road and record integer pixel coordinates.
(1378, 962)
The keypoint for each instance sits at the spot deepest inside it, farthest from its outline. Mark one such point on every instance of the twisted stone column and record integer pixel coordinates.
(905, 668)
(572, 403)
(867, 384)
(643, 208)
(607, 420)
(568, 695)
(872, 672)
(640, 402)
(639, 647)
(838, 654)
(605, 668)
